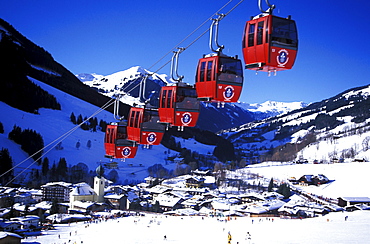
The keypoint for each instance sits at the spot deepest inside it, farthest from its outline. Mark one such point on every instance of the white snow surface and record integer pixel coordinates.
(272, 106)
(348, 179)
(53, 125)
(151, 229)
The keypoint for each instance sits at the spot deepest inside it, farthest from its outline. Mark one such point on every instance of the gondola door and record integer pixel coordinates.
(166, 110)
(116, 143)
(205, 79)
(134, 124)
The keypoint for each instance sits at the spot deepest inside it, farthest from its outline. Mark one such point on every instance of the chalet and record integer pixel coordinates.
(194, 181)
(158, 189)
(86, 207)
(313, 180)
(10, 226)
(6, 196)
(116, 201)
(152, 181)
(28, 222)
(350, 201)
(168, 203)
(23, 197)
(9, 238)
(56, 191)
(22, 210)
(251, 197)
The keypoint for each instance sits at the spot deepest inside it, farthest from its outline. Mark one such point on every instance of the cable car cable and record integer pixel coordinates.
(196, 29)
(196, 39)
(56, 141)
(110, 102)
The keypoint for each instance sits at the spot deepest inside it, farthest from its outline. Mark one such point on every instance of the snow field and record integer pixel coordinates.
(151, 229)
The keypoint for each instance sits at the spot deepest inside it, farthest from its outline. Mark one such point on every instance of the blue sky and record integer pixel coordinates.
(104, 37)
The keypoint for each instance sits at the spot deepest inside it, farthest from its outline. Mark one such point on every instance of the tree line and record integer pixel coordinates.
(31, 142)
(90, 124)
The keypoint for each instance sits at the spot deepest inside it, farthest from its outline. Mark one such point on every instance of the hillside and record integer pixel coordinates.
(20, 58)
(334, 129)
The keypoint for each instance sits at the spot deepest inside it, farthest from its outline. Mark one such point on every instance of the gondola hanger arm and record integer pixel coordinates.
(269, 10)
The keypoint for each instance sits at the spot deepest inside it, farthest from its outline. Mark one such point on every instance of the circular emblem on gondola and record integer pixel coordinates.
(283, 57)
(186, 118)
(126, 151)
(151, 138)
(229, 92)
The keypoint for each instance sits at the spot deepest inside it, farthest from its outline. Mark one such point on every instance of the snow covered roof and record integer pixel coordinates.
(158, 189)
(44, 205)
(114, 196)
(83, 205)
(4, 234)
(183, 211)
(61, 183)
(356, 199)
(82, 189)
(167, 201)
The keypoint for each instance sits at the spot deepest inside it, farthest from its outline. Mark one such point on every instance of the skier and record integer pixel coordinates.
(229, 238)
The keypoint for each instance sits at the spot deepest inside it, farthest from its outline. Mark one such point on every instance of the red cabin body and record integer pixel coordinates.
(270, 43)
(179, 106)
(143, 126)
(219, 78)
(116, 144)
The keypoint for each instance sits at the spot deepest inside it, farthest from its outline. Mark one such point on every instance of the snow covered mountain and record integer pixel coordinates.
(335, 129)
(270, 108)
(127, 82)
(211, 118)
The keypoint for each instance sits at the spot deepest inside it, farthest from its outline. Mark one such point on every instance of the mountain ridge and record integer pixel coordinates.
(211, 117)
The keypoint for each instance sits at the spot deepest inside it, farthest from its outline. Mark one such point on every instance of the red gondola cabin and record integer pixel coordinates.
(270, 43)
(178, 105)
(219, 78)
(143, 126)
(116, 144)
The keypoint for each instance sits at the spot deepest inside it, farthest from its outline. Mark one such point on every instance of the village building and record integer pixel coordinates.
(82, 192)
(116, 201)
(28, 222)
(58, 191)
(351, 201)
(9, 238)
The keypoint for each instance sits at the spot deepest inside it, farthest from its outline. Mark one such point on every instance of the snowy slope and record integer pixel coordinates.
(151, 229)
(54, 124)
(337, 129)
(271, 108)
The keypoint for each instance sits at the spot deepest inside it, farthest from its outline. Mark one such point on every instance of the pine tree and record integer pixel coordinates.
(78, 144)
(88, 144)
(62, 168)
(6, 163)
(103, 125)
(271, 185)
(54, 207)
(79, 119)
(284, 190)
(73, 118)
(45, 166)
